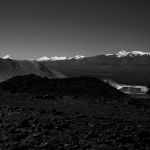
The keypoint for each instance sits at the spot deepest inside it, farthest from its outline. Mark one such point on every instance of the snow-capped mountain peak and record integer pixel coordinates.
(79, 56)
(140, 53)
(124, 53)
(7, 57)
(45, 58)
(108, 54)
(55, 58)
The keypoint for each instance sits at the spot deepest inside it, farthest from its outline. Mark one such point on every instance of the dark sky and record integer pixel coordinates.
(35, 28)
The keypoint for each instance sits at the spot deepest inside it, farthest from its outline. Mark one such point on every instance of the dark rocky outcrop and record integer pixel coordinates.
(76, 131)
(78, 87)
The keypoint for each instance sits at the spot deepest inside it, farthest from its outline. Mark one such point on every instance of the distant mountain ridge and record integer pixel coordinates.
(124, 53)
(130, 68)
(55, 58)
(119, 54)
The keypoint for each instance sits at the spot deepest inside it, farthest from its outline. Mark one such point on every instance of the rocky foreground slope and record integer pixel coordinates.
(70, 114)
(29, 129)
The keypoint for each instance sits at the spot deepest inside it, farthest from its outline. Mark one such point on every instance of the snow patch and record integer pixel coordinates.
(55, 58)
(108, 54)
(45, 58)
(59, 58)
(79, 57)
(124, 53)
(8, 57)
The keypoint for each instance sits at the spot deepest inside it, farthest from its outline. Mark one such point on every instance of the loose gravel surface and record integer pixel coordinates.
(31, 129)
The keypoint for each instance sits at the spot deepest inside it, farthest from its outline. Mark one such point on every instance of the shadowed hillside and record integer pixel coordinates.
(81, 86)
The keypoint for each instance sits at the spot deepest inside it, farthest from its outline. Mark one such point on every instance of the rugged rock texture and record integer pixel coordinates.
(29, 129)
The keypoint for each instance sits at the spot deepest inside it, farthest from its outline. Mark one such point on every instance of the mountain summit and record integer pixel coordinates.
(119, 54)
(124, 53)
(45, 58)
(8, 57)
(55, 58)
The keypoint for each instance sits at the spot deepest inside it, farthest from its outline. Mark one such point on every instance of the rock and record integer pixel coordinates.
(24, 129)
(66, 145)
(21, 148)
(48, 125)
(24, 123)
(44, 144)
(1, 121)
(91, 135)
(125, 140)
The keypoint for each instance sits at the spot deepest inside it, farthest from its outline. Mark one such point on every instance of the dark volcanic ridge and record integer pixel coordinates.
(77, 87)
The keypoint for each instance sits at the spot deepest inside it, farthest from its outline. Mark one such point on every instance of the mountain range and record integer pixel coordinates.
(121, 53)
(123, 67)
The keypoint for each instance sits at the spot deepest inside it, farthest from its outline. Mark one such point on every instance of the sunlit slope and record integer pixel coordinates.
(10, 68)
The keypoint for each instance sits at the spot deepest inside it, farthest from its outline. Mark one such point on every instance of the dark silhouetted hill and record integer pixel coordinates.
(80, 86)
